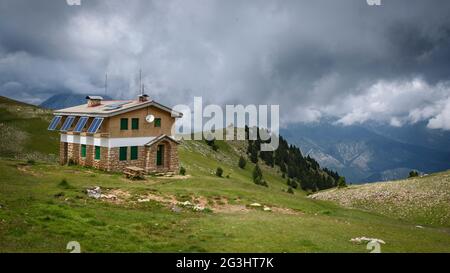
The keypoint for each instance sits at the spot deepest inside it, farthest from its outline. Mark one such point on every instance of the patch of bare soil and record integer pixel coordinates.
(199, 203)
(27, 170)
(174, 177)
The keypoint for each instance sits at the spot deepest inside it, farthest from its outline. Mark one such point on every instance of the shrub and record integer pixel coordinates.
(64, 184)
(212, 144)
(242, 162)
(182, 171)
(292, 183)
(290, 190)
(413, 174)
(341, 182)
(31, 162)
(258, 177)
(219, 172)
(257, 174)
(71, 162)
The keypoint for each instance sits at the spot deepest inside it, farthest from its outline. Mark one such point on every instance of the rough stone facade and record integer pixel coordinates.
(170, 157)
(110, 157)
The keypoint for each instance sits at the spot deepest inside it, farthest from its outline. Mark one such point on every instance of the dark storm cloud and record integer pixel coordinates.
(314, 58)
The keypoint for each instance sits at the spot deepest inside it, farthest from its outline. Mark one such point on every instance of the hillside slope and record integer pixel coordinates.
(424, 200)
(43, 206)
(23, 132)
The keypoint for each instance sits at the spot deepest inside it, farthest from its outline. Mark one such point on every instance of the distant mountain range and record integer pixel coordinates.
(65, 100)
(373, 152)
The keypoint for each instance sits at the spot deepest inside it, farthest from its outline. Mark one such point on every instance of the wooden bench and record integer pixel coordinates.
(134, 173)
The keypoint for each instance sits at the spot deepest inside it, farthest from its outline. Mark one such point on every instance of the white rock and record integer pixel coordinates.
(256, 205)
(143, 200)
(198, 208)
(94, 193)
(365, 239)
(186, 204)
(267, 209)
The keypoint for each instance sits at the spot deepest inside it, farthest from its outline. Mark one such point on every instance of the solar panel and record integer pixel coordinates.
(54, 123)
(95, 125)
(115, 106)
(67, 124)
(80, 125)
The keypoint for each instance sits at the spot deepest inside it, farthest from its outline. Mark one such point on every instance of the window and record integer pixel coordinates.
(83, 150)
(123, 153)
(123, 124)
(134, 153)
(97, 152)
(157, 122)
(135, 124)
(160, 155)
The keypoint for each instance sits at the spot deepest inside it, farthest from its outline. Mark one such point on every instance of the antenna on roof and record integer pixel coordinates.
(106, 84)
(140, 82)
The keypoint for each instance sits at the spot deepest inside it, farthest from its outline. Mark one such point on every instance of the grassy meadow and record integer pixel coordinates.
(43, 206)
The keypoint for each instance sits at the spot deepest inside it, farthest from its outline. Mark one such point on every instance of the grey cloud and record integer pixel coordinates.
(311, 57)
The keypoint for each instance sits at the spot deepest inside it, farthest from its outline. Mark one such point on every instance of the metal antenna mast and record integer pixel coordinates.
(106, 84)
(140, 82)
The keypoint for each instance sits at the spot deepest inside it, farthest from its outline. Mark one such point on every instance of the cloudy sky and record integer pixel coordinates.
(316, 59)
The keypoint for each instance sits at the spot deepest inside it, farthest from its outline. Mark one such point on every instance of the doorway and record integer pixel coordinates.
(160, 156)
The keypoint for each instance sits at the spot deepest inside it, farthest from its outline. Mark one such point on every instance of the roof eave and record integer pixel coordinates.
(174, 114)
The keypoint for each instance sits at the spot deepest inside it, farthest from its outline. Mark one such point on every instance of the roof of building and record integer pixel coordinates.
(112, 108)
(161, 137)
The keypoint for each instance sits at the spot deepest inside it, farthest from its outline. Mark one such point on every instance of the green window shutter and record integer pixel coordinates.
(135, 124)
(134, 153)
(123, 153)
(123, 124)
(83, 150)
(97, 152)
(157, 122)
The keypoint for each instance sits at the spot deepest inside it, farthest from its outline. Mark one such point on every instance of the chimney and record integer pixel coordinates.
(143, 98)
(93, 101)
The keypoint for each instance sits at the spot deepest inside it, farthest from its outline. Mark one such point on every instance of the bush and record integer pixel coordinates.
(182, 171)
(212, 144)
(290, 190)
(413, 174)
(257, 174)
(341, 182)
(219, 172)
(64, 184)
(71, 162)
(31, 162)
(258, 177)
(242, 162)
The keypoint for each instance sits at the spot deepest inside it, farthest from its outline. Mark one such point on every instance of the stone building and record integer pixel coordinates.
(113, 135)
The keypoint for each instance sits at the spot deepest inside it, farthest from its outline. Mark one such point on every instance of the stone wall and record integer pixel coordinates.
(63, 147)
(115, 165)
(170, 163)
(109, 157)
(73, 152)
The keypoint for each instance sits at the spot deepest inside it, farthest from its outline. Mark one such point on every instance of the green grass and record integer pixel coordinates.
(422, 200)
(39, 212)
(24, 132)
